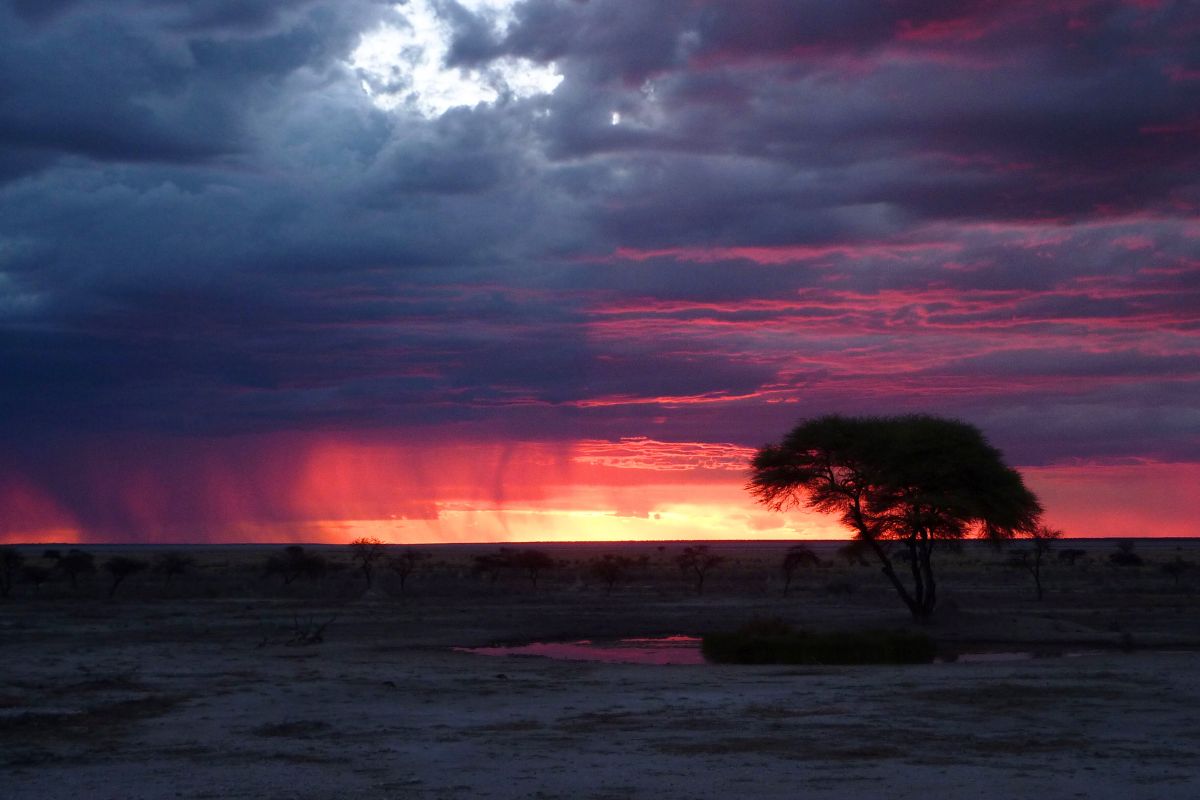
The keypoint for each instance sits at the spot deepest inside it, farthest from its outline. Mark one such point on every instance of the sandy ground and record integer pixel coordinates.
(203, 699)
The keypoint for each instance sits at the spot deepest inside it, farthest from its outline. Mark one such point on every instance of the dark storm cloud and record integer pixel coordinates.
(985, 209)
(159, 82)
(1010, 110)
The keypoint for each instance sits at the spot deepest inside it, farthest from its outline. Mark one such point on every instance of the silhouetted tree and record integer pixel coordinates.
(366, 552)
(1069, 555)
(533, 563)
(1177, 568)
(918, 480)
(171, 564)
(120, 568)
(295, 562)
(35, 574)
(854, 553)
(1041, 540)
(609, 569)
(405, 564)
(74, 564)
(797, 556)
(10, 562)
(492, 565)
(697, 561)
(1125, 557)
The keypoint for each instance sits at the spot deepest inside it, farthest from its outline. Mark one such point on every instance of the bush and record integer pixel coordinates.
(839, 586)
(1125, 557)
(295, 562)
(120, 568)
(760, 643)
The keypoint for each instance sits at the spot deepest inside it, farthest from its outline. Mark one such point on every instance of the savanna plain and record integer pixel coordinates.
(233, 677)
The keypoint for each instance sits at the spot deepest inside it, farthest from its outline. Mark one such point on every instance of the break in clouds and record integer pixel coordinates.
(559, 221)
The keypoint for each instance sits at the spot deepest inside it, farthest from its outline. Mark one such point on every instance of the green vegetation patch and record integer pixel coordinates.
(777, 643)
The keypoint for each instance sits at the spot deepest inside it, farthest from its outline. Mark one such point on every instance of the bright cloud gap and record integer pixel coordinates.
(405, 64)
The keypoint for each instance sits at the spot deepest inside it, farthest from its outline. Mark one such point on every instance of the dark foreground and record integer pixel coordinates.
(197, 689)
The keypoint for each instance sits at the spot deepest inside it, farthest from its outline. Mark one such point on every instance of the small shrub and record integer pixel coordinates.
(366, 552)
(1177, 568)
(295, 562)
(75, 564)
(405, 564)
(36, 575)
(797, 557)
(757, 643)
(533, 563)
(609, 569)
(854, 553)
(839, 586)
(1125, 557)
(491, 565)
(10, 563)
(766, 626)
(697, 561)
(120, 568)
(172, 564)
(1070, 555)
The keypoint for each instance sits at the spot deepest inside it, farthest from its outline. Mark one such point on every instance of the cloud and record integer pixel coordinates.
(209, 229)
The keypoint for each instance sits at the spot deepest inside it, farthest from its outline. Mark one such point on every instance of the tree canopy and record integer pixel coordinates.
(916, 479)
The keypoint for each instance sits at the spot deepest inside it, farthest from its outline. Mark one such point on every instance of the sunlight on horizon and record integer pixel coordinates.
(329, 489)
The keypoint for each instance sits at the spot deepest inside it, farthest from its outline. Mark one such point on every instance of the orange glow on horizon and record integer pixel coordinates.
(328, 489)
(31, 515)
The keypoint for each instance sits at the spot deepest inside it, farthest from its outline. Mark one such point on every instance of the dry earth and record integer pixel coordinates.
(196, 697)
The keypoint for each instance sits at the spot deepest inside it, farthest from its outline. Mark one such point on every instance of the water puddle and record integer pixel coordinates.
(686, 650)
(640, 650)
(1013, 655)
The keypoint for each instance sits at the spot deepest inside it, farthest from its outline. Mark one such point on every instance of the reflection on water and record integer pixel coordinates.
(643, 650)
(686, 650)
(1017, 655)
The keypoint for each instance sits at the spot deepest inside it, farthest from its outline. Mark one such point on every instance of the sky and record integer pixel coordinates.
(493, 270)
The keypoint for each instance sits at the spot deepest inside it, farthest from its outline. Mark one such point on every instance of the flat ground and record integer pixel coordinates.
(191, 689)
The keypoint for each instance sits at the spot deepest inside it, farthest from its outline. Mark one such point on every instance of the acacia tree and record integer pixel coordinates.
(295, 562)
(797, 556)
(1177, 567)
(1125, 557)
(1042, 540)
(120, 568)
(533, 563)
(918, 480)
(74, 564)
(35, 574)
(697, 561)
(366, 552)
(854, 553)
(1070, 555)
(405, 564)
(172, 563)
(492, 565)
(609, 569)
(10, 562)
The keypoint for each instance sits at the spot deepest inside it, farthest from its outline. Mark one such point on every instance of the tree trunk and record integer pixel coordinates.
(890, 572)
(914, 562)
(926, 554)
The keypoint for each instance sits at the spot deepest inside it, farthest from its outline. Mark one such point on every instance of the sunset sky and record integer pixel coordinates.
(482, 270)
